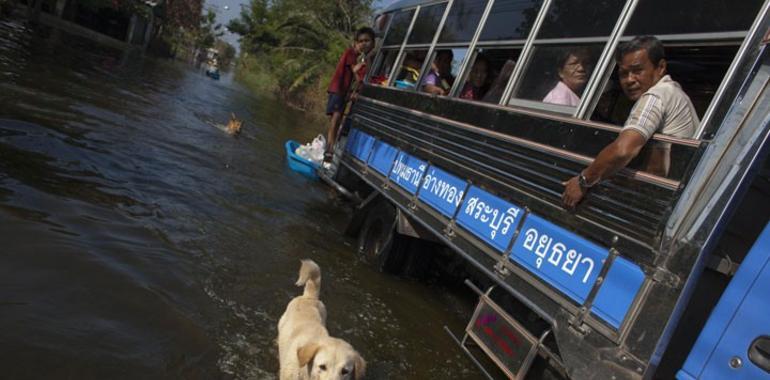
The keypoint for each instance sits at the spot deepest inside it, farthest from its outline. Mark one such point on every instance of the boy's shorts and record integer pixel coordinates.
(336, 103)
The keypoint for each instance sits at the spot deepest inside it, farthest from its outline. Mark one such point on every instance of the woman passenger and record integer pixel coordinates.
(476, 85)
(573, 77)
(439, 79)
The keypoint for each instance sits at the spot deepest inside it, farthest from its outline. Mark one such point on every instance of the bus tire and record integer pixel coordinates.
(378, 242)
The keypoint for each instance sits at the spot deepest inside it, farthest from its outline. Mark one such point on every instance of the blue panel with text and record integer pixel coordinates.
(562, 259)
(442, 191)
(407, 171)
(490, 218)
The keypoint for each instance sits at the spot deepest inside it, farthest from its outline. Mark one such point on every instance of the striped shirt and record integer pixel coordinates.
(665, 109)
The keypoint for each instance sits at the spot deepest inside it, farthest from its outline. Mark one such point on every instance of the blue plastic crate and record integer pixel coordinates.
(299, 164)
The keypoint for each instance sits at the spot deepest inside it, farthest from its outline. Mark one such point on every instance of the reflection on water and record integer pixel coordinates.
(139, 241)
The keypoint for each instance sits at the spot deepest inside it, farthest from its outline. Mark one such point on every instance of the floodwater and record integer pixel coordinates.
(137, 240)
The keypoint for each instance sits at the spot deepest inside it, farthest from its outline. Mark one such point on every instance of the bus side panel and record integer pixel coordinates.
(735, 342)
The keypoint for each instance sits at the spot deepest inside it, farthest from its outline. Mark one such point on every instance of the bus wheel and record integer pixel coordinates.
(378, 242)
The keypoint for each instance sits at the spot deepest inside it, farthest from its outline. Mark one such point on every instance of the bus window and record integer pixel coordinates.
(699, 47)
(383, 68)
(443, 70)
(409, 71)
(565, 52)
(558, 74)
(425, 25)
(398, 28)
(583, 18)
(698, 69)
(491, 70)
(462, 21)
(659, 17)
(381, 23)
(501, 41)
(510, 20)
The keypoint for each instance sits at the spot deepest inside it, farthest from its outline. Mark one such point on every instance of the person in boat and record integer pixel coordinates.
(439, 79)
(573, 77)
(661, 106)
(351, 68)
(476, 85)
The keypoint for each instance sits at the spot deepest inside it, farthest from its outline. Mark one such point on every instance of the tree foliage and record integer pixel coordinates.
(183, 14)
(301, 40)
(187, 33)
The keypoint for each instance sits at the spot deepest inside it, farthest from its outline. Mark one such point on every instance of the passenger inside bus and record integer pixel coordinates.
(499, 79)
(660, 107)
(572, 78)
(410, 70)
(439, 79)
(476, 85)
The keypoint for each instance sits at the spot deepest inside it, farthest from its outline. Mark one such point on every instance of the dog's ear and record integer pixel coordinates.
(359, 368)
(232, 116)
(306, 353)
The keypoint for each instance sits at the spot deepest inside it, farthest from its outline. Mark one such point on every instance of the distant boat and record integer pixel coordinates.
(212, 72)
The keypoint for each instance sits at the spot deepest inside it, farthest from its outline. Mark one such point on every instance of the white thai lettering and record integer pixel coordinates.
(530, 239)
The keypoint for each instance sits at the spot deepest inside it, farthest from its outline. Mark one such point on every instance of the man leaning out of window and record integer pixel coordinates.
(661, 107)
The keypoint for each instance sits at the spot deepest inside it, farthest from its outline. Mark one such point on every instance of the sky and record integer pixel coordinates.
(229, 9)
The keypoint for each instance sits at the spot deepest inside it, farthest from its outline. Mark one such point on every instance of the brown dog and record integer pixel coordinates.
(305, 349)
(234, 125)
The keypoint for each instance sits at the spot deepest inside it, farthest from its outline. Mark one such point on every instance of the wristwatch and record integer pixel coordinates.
(583, 182)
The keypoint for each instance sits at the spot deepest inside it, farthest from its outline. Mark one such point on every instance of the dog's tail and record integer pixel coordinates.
(310, 277)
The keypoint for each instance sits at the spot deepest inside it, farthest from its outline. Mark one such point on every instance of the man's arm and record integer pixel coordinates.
(609, 161)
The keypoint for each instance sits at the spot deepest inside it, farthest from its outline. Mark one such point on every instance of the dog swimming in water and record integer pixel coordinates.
(234, 125)
(305, 349)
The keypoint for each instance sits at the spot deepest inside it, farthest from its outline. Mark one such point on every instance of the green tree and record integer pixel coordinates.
(299, 41)
(208, 31)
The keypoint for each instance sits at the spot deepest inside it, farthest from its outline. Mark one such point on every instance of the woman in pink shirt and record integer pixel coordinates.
(573, 77)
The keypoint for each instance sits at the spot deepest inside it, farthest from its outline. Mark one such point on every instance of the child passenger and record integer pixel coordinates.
(476, 85)
(350, 72)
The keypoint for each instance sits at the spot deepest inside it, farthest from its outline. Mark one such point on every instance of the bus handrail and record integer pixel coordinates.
(685, 142)
(666, 183)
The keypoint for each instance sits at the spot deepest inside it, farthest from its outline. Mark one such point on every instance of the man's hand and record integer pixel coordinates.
(573, 193)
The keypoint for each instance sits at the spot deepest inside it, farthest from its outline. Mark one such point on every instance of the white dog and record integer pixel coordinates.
(305, 349)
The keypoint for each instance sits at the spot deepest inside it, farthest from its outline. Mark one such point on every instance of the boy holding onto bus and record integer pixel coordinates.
(347, 77)
(660, 107)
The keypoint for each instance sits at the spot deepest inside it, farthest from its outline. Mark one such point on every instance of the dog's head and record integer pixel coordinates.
(331, 359)
(234, 125)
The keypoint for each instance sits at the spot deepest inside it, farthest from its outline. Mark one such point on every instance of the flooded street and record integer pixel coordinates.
(140, 241)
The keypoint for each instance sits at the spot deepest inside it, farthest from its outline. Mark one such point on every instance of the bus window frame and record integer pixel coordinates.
(566, 110)
(379, 57)
(427, 64)
(432, 47)
(471, 47)
(404, 44)
(598, 79)
(610, 44)
(480, 48)
(440, 24)
(674, 41)
(400, 56)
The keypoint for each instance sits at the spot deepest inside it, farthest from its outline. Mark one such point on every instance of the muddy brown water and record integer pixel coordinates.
(139, 241)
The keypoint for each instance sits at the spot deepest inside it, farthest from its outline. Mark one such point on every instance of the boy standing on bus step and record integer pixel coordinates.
(661, 107)
(351, 67)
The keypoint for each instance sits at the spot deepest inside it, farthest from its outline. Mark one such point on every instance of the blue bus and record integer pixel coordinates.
(653, 274)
